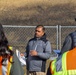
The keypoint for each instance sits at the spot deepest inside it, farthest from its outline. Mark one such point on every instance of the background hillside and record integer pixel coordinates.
(34, 12)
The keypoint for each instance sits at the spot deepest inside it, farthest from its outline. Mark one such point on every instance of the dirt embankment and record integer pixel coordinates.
(34, 12)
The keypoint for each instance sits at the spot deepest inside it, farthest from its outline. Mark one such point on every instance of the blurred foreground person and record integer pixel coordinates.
(69, 43)
(9, 63)
(65, 64)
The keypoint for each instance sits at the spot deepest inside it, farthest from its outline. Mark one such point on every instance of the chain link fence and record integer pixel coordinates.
(18, 36)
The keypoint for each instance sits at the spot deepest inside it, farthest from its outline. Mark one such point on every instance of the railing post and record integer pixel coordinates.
(57, 37)
(60, 37)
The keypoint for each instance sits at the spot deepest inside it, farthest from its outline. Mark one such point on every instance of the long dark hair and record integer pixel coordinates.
(5, 52)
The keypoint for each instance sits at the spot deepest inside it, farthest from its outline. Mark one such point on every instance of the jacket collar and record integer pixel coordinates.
(43, 38)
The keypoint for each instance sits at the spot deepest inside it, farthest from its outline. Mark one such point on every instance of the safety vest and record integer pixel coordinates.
(8, 66)
(65, 64)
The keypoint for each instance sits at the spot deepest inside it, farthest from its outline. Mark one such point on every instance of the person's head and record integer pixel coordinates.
(39, 31)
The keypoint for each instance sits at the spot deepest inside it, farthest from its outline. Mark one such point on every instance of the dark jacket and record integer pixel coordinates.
(69, 43)
(43, 47)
